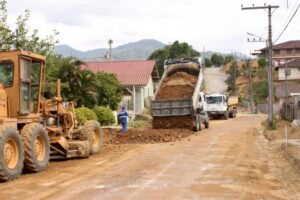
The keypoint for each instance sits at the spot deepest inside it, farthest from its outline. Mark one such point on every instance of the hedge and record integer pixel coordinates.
(105, 115)
(83, 114)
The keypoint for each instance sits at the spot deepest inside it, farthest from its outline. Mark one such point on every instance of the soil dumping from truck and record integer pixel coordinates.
(180, 85)
(173, 122)
(147, 136)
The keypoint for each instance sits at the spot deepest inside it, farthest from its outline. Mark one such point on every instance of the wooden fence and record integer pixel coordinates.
(290, 109)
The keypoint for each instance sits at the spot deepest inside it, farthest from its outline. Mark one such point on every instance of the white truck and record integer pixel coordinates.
(218, 105)
(191, 109)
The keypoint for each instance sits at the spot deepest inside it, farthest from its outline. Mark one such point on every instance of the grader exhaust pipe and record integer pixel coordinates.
(58, 88)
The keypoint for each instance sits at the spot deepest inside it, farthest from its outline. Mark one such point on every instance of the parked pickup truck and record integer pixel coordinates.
(169, 109)
(218, 105)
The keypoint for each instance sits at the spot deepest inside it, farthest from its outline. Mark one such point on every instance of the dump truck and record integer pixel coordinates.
(219, 105)
(34, 129)
(178, 101)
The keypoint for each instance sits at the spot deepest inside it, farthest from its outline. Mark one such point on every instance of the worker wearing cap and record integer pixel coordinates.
(123, 119)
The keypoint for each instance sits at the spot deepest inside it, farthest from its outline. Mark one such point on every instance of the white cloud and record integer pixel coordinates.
(217, 25)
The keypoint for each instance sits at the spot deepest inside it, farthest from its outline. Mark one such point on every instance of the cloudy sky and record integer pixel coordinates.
(218, 25)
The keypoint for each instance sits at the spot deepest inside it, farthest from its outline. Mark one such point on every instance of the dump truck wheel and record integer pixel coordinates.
(226, 116)
(92, 132)
(11, 163)
(36, 147)
(234, 114)
(197, 123)
(206, 124)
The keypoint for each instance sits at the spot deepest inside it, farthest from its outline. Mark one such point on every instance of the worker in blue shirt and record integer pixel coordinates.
(122, 116)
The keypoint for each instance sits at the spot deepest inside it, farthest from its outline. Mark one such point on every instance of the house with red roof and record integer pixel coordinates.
(138, 79)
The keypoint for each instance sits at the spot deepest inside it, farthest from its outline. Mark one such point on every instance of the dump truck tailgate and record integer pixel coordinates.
(178, 107)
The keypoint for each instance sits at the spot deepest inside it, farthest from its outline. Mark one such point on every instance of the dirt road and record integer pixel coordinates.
(214, 79)
(231, 160)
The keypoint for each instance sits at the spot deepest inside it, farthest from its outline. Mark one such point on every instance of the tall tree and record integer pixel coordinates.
(217, 59)
(110, 91)
(175, 50)
(207, 62)
(228, 59)
(233, 73)
(22, 37)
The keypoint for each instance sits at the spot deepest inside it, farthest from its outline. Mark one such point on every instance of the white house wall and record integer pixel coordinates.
(143, 94)
(295, 74)
(149, 88)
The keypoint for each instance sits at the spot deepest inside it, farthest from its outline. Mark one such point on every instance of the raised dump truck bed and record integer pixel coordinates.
(178, 102)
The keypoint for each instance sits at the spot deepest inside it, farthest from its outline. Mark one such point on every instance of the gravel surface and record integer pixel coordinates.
(214, 78)
(221, 162)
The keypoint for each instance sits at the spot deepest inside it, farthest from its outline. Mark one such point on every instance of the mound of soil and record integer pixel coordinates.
(148, 136)
(179, 85)
(172, 122)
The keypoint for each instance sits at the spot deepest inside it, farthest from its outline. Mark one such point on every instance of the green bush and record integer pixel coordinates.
(83, 114)
(105, 115)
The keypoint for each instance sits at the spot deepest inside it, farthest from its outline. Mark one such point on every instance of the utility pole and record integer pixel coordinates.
(234, 74)
(286, 81)
(110, 41)
(204, 64)
(270, 45)
(250, 85)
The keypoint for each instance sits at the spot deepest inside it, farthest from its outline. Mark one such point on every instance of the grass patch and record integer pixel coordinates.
(139, 124)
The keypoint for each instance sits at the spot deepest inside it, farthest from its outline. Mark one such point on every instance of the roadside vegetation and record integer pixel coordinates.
(87, 89)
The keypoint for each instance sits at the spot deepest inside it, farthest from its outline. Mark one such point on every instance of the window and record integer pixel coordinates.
(287, 72)
(25, 86)
(297, 51)
(214, 100)
(35, 85)
(289, 51)
(276, 52)
(6, 73)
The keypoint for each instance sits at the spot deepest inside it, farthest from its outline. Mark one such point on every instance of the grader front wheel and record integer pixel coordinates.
(11, 163)
(93, 133)
(36, 147)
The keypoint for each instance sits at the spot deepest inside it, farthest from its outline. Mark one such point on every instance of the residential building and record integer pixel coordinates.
(282, 90)
(290, 70)
(138, 79)
(283, 52)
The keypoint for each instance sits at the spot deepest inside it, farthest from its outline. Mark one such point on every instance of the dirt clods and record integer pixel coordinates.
(148, 136)
(179, 85)
(173, 122)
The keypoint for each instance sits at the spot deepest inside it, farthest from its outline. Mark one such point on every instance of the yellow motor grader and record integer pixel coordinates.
(34, 129)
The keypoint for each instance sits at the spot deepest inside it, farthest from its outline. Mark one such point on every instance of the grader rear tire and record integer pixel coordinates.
(36, 147)
(11, 163)
(92, 132)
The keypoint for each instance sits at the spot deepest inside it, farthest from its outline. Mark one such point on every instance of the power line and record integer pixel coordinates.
(287, 23)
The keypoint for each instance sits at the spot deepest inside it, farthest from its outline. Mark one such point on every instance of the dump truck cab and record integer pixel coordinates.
(21, 75)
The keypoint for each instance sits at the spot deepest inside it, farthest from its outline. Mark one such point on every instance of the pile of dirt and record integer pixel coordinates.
(179, 85)
(173, 122)
(148, 136)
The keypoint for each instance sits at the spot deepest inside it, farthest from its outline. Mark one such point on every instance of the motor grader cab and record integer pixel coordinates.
(33, 128)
